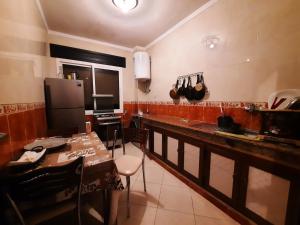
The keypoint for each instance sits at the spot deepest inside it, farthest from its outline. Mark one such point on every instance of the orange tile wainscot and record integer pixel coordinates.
(22, 123)
(207, 112)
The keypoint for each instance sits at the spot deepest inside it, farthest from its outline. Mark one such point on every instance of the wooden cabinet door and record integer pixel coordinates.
(191, 162)
(148, 142)
(157, 143)
(172, 151)
(221, 173)
(267, 195)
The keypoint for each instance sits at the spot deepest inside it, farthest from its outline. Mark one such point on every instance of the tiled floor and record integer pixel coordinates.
(167, 201)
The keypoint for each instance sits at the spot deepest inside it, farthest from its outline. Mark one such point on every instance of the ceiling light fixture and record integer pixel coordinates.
(211, 41)
(125, 5)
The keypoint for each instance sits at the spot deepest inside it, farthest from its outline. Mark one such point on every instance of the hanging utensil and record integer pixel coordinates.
(189, 90)
(181, 90)
(200, 88)
(174, 92)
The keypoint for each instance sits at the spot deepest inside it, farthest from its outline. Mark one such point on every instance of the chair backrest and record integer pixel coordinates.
(44, 182)
(137, 135)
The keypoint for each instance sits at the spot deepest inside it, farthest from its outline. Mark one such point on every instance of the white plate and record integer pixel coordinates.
(281, 99)
(24, 159)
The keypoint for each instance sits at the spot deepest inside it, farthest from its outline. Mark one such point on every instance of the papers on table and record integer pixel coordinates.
(28, 157)
(72, 155)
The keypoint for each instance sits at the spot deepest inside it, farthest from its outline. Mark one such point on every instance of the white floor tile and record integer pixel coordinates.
(165, 217)
(167, 201)
(153, 175)
(202, 220)
(171, 180)
(151, 163)
(140, 215)
(202, 207)
(177, 199)
(139, 197)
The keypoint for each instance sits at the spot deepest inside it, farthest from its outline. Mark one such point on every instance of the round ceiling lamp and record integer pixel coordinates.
(125, 5)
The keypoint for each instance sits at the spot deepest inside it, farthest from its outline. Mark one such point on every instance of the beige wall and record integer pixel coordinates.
(22, 52)
(265, 32)
(129, 90)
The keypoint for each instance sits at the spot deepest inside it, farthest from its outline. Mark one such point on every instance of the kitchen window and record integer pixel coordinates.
(103, 89)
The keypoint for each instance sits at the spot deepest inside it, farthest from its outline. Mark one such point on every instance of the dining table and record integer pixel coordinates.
(99, 173)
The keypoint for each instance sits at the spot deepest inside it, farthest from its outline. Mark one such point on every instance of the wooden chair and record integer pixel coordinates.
(128, 165)
(38, 186)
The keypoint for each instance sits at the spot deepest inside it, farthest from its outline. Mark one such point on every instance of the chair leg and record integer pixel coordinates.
(106, 205)
(79, 216)
(128, 194)
(123, 147)
(144, 179)
(123, 143)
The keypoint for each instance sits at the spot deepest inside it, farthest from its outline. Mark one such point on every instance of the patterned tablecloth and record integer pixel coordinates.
(100, 171)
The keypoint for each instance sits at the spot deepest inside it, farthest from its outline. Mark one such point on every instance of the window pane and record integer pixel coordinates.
(107, 83)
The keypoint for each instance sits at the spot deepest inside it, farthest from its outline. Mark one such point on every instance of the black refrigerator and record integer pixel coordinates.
(64, 106)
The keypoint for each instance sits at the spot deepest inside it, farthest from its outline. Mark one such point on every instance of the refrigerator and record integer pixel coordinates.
(65, 108)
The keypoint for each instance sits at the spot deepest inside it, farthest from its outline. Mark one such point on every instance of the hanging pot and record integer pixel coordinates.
(174, 92)
(199, 89)
(198, 86)
(181, 90)
(189, 90)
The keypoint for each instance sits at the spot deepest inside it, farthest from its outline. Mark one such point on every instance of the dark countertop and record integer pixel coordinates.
(287, 154)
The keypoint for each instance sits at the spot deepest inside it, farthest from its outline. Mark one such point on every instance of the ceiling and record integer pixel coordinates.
(101, 20)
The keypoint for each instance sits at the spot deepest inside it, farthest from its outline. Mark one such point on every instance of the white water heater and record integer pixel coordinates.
(141, 65)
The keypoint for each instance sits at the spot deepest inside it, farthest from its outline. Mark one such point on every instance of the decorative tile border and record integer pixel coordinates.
(1, 110)
(130, 102)
(20, 107)
(39, 105)
(224, 104)
(30, 106)
(10, 108)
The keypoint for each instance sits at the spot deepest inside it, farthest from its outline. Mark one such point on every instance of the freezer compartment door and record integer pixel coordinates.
(63, 93)
(63, 121)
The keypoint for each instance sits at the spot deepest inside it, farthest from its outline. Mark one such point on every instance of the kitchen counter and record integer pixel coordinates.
(288, 155)
(235, 170)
